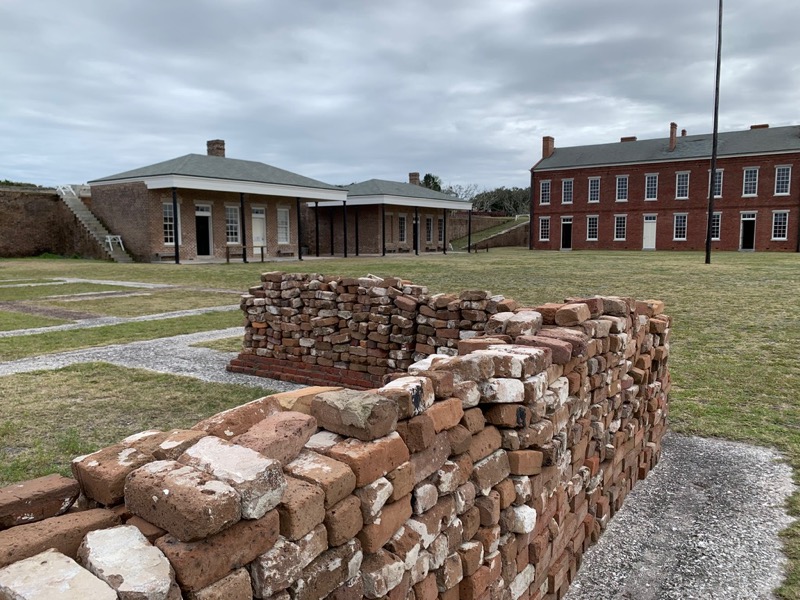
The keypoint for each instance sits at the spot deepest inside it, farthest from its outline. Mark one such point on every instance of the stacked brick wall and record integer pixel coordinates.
(483, 475)
(35, 221)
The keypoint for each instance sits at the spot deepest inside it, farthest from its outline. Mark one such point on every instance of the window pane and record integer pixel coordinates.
(682, 185)
(651, 187)
(283, 226)
(780, 222)
(544, 229)
(591, 228)
(620, 223)
(594, 189)
(566, 191)
(544, 192)
(441, 229)
(401, 222)
(716, 221)
(750, 184)
(622, 188)
(169, 224)
(428, 229)
(679, 232)
(231, 224)
(782, 179)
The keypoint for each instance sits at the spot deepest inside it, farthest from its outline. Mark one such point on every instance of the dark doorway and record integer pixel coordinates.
(202, 228)
(748, 233)
(566, 234)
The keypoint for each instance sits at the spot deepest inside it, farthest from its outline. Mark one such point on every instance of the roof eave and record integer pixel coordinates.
(407, 201)
(158, 182)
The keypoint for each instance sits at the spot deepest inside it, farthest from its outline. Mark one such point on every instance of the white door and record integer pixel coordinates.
(259, 228)
(649, 238)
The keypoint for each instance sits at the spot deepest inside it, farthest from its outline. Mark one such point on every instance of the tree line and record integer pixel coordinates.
(512, 201)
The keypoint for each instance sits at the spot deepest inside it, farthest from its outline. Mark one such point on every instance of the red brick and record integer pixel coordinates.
(336, 478)
(392, 517)
(236, 421)
(525, 462)
(343, 521)
(445, 414)
(372, 459)
(64, 533)
(36, 499)
(301, 509)
(199, 564)
(280, 436)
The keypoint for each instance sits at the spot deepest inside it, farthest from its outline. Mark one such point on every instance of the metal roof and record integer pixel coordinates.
(218, 167)
(731, 143)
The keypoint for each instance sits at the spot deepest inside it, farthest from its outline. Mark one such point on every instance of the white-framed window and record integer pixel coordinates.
(232, 225)
(544, 229)
(682, 185)
(716, 226)
(750, 181)
(592, 227)
(622, 188)
(679, 227)
(544, 192)
(401, 226)
(441, 230)
(651, 186)
(594, 189)
(283, 226)
(169, 223)
(783, 177)
(620, 227)
(566, 191)
(717, 182)
(780, 225)
(429, 229)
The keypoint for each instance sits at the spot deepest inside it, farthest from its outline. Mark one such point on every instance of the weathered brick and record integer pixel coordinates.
(235, 421)
(373, 497)
(491, 470)
(336, 478)
(258, 480)
(370, 460)
(236, 586)
(445, 414)
(363, 415)
(38, 576)
(572, 314)
(127, 562)
(418, 432)
(300, 400)
(427, 462)
(102, 474)
(276, 569)
(36, 499)
(301, 509)
(402, 480)
(280, 436)
(327, 571)
(413, 395)
(484, 442)
(64, 533)
(188, 503)
(381, 572)
(199, 564)
(374, 535)
(343, 520)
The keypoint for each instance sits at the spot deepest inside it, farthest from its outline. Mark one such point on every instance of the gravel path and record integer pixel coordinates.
(165, 355)
(102, 321)
(703, 525)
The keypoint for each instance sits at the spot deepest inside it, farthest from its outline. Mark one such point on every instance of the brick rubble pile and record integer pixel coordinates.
(481, 475)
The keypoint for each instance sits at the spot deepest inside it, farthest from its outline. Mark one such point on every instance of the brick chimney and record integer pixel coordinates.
(216, 148)
(683, 133)
(413, 178)
(673, 136)
(760, 126)
(628, 138)
(548, 146)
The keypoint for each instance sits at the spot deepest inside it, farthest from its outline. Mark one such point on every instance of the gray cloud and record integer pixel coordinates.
(350, 90)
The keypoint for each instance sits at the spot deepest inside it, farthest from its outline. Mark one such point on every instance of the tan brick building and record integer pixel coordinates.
(198, 206)
(380, 217)
(653, 194)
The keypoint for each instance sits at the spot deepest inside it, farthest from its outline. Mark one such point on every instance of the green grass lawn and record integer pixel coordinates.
(13, 348)
(49, 417)
(10, 320)
(734, 358)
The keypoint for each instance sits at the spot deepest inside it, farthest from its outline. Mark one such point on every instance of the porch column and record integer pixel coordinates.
(469, 231)
(444, 230)
(176, 226)
(299, 230)
(416, 230)
(344, 225)
(244, 228)
(383, 230)
(530, 218)
(316, 227)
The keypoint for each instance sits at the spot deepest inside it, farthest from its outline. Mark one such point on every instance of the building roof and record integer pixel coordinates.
(772, 140)
(200, 171)
(381, 191)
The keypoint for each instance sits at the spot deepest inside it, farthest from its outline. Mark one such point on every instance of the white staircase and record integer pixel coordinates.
(110, 244)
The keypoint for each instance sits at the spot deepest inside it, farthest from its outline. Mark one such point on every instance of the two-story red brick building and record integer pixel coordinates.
(653, 194)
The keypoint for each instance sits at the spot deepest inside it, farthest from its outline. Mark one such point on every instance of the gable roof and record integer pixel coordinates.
(381, 191)
(772, 140)
(200, 171)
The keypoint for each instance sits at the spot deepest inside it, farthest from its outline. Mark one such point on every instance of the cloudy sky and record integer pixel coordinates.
(350, 90)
